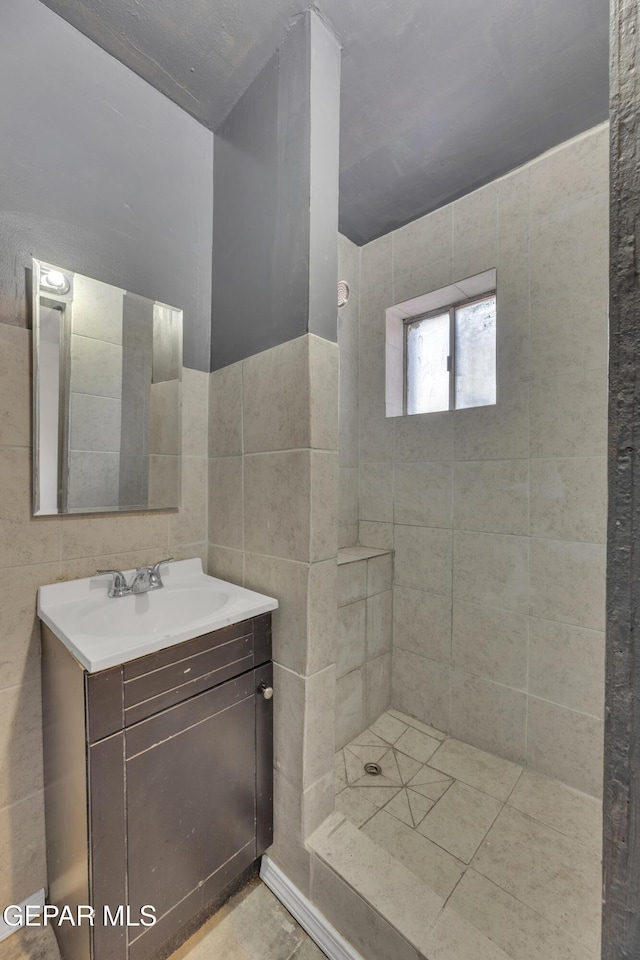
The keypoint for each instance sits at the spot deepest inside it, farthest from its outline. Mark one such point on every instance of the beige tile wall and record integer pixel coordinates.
(348, 336)
(497, 514)
(38, 550)
(95, 398)
(273, 526)
(363, 654)
(281, 478)
(96, 393)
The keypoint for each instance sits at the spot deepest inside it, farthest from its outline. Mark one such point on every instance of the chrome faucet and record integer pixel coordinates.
(144, 580)
(119, 587)
(141, 582)
(148, 578)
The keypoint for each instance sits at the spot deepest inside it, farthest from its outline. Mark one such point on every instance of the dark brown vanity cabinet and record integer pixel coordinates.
(158, 786)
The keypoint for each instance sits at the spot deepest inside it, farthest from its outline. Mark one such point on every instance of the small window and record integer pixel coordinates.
(450, 357)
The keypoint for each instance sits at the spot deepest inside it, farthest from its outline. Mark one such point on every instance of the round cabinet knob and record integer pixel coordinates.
(267, 692)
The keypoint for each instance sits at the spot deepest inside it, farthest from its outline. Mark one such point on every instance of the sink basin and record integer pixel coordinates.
(158, 612)
(102, 632)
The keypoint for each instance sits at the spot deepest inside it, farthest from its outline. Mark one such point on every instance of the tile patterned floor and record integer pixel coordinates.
(515, 854)
(513, 859)
(252, 925)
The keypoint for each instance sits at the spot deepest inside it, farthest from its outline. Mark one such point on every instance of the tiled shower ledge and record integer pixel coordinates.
(351, 554)
(465, 854)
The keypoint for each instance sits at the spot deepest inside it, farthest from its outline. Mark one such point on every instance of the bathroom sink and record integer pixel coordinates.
(102, 632)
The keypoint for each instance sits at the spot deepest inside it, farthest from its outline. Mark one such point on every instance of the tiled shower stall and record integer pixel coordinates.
(495, 516)
(470, 696)
(466, 606)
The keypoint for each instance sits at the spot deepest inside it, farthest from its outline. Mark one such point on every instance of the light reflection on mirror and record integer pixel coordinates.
(107, 396)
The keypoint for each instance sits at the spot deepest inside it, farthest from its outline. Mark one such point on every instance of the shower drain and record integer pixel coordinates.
(373, 769)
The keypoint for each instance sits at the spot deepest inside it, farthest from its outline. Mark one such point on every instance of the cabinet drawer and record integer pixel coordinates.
(122, 696)
(189, 648)
(169, 685)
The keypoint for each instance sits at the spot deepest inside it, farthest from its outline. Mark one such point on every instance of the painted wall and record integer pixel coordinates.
(276, 190)
(497, 514)
(100, 174)
(273, 413)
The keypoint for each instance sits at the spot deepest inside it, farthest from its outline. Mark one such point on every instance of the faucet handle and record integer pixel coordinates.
(156, 579)
(119, 586)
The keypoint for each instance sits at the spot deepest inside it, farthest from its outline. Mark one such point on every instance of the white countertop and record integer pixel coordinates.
(103, 632)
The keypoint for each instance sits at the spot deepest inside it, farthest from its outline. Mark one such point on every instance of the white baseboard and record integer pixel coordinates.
(35, 900)
(308, 916)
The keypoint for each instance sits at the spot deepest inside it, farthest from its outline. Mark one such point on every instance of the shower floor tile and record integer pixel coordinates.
(460, 820)
(511, 852)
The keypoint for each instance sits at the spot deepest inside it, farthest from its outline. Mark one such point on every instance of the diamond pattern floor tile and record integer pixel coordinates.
(407, 766)
(419, 806)
(430, 783)
(368, 739)
(390, 767)
(368, 754)
(367, 781)
(431, 808)
(409, 807)
(400, 809)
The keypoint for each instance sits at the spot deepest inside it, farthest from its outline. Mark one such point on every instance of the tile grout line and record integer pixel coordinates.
(301, 943)
(470, 864)
(427, 763)
(528, 906)
(547, 826)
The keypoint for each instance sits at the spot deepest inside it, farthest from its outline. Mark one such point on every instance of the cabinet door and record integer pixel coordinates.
(191, 805)
(190, 787)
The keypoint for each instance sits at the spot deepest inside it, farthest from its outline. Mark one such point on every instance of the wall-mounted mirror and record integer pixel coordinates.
(107, 396)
